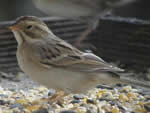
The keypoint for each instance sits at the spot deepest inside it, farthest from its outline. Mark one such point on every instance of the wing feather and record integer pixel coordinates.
(63, 55)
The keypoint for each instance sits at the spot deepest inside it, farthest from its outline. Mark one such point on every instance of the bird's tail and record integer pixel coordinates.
(129, 79)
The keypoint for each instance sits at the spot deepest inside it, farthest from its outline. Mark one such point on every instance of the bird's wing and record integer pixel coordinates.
(95, 63)
(63, 55)
(56, 53)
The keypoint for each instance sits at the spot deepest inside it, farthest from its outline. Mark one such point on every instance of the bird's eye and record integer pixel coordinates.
(29, 26)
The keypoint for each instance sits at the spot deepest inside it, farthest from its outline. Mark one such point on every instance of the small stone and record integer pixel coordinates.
(123, 97)
(104, 87)
(148, 98)
(16, 106)
(84, 105)
(106, 108)
(51, 92)
(68, 111)
(3, 96)
(122, 109)
(131, 95)
(119, 85)
(2, 102)
(115, 102)
(147, 107)
(104, 99)
(115, 110)
(78, 97)
(89, 111)
(127, 88)
(16, 110)
(75, 101)
(44, 110)
(81, 109)
(90, 101)
(140, 109)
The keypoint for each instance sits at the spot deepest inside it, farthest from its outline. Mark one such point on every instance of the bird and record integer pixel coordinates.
(55, 63)
(79, 10)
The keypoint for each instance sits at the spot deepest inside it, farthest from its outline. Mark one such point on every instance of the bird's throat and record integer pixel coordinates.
(18, 37)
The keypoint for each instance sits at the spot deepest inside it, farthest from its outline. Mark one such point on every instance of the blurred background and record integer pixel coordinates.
(10, 9)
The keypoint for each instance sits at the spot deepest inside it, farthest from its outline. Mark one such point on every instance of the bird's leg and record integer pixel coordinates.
(56, 97)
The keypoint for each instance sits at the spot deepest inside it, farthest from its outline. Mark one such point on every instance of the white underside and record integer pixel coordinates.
(61, 79)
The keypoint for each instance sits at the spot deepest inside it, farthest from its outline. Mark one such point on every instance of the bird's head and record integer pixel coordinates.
(28, 28)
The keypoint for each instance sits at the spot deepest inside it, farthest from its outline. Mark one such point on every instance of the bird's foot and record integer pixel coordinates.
(56, 98)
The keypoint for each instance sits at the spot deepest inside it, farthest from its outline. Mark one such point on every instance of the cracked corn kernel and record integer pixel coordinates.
(123, 97)
(33, 108)
(127, 88)
(100, 93)
(140, 109)
(131, 95)
(115, 110)
(141, 103)
(22, 101)
(84, 100)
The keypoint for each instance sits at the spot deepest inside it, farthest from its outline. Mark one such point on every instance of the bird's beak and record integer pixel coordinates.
(14, 27)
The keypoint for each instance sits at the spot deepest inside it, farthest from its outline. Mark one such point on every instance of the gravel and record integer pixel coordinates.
(26, 96)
